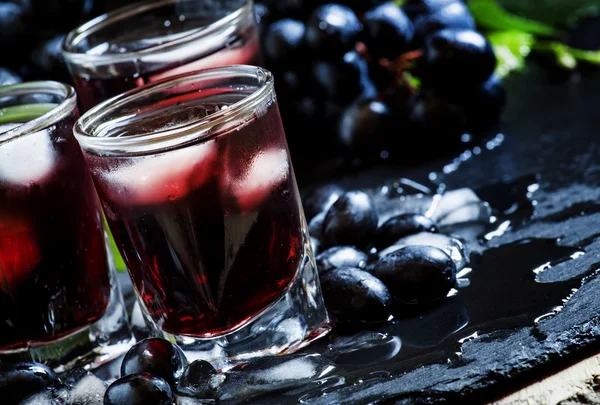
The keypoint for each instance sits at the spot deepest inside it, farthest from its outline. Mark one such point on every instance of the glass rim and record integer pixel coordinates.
(164, 139)
(125, 13)
(48, 118)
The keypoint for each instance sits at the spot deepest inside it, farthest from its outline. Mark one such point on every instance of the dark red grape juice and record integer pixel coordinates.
(211, 232)
(92, 89)
(54, 277)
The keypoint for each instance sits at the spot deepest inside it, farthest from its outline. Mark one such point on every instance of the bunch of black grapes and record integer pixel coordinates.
(32, 31)
(368, 78)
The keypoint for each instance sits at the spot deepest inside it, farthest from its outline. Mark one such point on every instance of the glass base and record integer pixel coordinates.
(296, 319)
(89, 347)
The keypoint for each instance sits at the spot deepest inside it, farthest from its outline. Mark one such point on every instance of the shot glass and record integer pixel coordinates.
(59, 301)
(148, 41)
(199, 191)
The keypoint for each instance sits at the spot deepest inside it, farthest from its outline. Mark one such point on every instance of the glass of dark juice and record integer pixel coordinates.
(59, 301)
(199, 191)
(148, 41)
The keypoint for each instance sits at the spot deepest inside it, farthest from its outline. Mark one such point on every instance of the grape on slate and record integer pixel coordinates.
(351, 220)
(197, 380)
(398, 98)
(340, 81)
(436, 118)
(15, 34)
(61, 14)
(47, 58)
(139, 389)
(364, 126)
(263, 15)
(360, 6)
(340, 256)
(7, 77)
(381, 76)
(484, 106)
(158, 357)
(290, 83)
(332, 30)
(457, 58)
(387, 31)
(353, 295)
(320, 199)
(417, 274)
(315, 226)
(315, 244)
(20, 380)
(400, 226)
(415, 8)
(454, 15)
(284, 42)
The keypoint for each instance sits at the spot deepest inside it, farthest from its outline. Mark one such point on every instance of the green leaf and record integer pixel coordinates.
(399, 3)
(568, 57)
(24, 112)
(412, 81)
(491, 15)
(119, 263)
(118, 259)
(511, 48)
(553, 12)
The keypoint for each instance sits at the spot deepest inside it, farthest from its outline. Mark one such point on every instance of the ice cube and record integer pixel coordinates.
(88, 391)
(181, 400)
(27, 160)
(390, 207)
(270, 374)
(366, 347)
(43, 398)
(452, 246)
(169, 176)
(459, 206)
(267, 170)
(473, 212)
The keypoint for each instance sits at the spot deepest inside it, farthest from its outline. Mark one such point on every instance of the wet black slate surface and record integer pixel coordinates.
(550, 138)
(551, 133)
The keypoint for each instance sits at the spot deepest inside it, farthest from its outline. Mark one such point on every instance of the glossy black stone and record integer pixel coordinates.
(417, 274)
(387, 31)
(400, 226)
(197, 381)
(364, 126)
(453, 15)
(353, 295)
(158, 357)
(20, 380)
(283, 42)
(340, 81)
(139, 389)
(341, 256)
(458, 59)
(332, 30)
(351, 220)
(320, 199)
